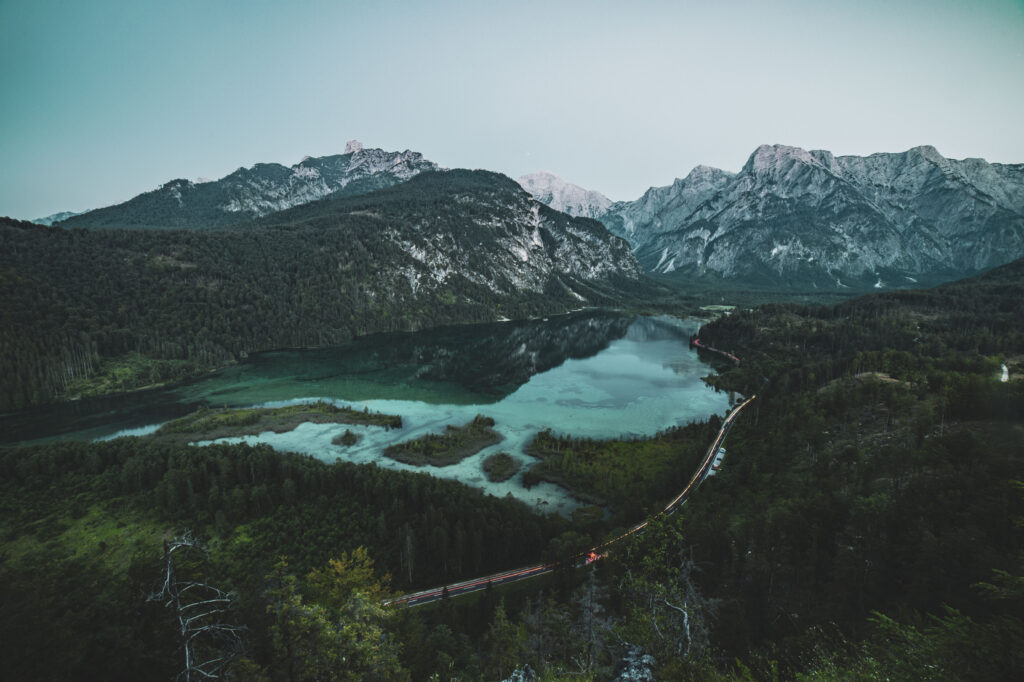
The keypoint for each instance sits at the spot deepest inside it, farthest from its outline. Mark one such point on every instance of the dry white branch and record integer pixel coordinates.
(204, 630)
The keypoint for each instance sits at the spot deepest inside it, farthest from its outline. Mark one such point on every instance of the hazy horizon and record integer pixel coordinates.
(105, 100)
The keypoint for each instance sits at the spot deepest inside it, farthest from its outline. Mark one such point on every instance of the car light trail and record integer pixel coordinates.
(593, 554)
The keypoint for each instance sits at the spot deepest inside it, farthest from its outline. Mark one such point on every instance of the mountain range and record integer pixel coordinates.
(810, 219)
(789, 219)
(475, 226)
(253, 192)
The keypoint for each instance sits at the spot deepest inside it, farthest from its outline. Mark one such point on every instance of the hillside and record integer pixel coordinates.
(104, 310)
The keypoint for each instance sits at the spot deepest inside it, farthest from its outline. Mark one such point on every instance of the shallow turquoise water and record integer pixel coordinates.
(593, 374)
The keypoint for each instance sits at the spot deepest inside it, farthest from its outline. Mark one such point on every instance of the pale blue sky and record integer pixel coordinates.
(101, 100)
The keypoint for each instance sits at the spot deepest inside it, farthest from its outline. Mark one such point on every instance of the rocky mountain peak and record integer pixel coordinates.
(775, 157)
(261, 189)
(544, 176)
(928, 152)
(550, 189)
(544, 182)
(794, 217)
(703, 174)
(828, 160)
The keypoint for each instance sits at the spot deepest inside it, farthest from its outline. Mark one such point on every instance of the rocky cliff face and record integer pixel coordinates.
(560, 195)
(257, 191)
(802, 218)
(662, 209)
(479, 227)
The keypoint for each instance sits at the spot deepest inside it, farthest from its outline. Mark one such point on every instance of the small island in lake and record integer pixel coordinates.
(347, 439)
(451, 447)
(207, 424)
(500, 466)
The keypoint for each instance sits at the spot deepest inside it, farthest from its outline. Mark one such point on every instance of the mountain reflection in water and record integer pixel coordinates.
(590, 374)
(467, 364)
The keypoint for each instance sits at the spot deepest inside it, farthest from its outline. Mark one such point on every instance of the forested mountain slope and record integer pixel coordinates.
(876, 475)
(59, 583)
(144, 306)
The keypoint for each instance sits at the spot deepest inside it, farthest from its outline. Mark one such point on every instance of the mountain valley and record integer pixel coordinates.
(445, 247)
(864, 523)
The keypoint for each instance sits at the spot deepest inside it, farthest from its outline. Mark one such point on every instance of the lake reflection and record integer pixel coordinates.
(593, 374)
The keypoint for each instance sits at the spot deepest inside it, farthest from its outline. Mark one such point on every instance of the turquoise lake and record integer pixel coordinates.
(591, 374)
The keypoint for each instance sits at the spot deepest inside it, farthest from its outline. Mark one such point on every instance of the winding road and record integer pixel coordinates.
(593, 554)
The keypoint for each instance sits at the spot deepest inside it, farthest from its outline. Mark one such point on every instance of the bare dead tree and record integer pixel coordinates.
(683, 609)
(209, 642)
(592, 625)
(666, 599)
